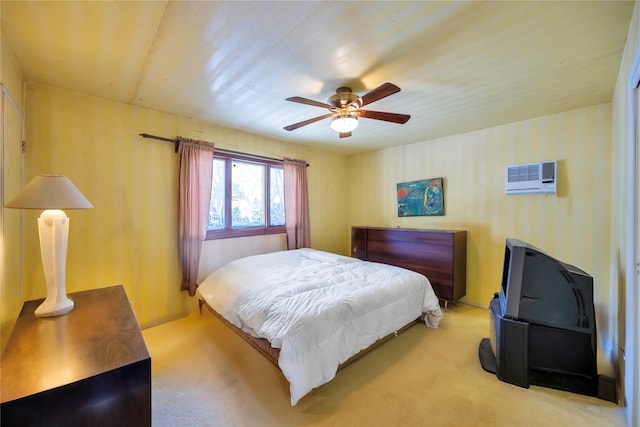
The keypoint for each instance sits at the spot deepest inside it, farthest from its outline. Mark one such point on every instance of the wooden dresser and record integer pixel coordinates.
(441, 255)
(89, 367)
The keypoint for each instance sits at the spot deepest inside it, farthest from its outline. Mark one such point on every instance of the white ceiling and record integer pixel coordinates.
(462, 66)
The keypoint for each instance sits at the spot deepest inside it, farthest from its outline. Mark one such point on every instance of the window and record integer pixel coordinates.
(247, 197)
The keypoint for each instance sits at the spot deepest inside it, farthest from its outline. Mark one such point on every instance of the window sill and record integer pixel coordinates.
(243, 232)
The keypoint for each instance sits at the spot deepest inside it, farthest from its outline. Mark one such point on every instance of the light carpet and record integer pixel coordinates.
(205, 375)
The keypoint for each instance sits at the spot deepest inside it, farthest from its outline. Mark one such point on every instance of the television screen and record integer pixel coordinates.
(505, 279)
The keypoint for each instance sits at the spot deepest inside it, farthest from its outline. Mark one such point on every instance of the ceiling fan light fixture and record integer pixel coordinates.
(344, 123)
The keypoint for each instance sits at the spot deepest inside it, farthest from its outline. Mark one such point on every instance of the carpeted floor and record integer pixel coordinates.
(205, 375)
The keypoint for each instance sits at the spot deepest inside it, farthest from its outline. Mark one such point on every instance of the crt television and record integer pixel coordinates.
(538, 288)
(543, 327)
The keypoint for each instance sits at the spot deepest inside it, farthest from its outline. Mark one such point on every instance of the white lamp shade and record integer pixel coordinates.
(49, 192)
(344, 123)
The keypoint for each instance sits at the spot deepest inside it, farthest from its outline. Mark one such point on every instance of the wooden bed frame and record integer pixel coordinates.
(272, 354)
(416, 250)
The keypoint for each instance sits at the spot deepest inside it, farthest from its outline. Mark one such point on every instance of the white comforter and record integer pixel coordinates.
(318, 308)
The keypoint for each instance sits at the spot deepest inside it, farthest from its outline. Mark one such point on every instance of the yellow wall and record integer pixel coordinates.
(129, 237)
(10, 219)
(573, 226)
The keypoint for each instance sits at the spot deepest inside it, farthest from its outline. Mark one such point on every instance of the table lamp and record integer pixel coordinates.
(52, 193)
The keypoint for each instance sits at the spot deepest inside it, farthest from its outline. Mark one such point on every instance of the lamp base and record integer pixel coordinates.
(54, 307)
(53, 228)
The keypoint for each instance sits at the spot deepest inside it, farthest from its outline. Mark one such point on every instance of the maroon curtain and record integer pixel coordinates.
(194, 186)
(296, 200)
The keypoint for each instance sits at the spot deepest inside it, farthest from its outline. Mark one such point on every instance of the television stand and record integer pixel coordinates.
(522, 358)
(487, 359)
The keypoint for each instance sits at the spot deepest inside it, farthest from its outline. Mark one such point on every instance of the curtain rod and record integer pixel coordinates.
(176, 141)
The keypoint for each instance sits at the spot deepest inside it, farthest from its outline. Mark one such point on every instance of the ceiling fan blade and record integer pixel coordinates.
(345, 134)
(306, 101)
(381, 115)
(373, 95)
(307, 122)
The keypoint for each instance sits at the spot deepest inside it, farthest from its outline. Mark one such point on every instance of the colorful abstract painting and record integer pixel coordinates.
(421, 198)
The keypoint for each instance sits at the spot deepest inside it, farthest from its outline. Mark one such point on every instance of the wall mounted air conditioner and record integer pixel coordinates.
(532, 178)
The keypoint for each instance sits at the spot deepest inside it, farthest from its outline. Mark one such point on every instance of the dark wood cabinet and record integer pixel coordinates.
(441, 255)
(89, 367)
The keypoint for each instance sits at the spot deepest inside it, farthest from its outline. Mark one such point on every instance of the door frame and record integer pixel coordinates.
(632, 301)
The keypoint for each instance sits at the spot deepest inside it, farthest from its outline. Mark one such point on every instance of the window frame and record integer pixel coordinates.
(266, 229)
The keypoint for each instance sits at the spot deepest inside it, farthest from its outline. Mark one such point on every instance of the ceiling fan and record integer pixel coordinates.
(345, 108)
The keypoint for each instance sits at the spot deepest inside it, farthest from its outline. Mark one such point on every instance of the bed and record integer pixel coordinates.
(310, 311)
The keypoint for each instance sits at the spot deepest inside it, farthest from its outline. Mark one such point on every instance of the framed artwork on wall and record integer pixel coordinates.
(421, 198)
